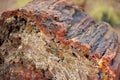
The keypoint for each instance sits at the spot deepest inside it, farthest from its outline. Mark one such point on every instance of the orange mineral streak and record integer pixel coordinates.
(103, 65)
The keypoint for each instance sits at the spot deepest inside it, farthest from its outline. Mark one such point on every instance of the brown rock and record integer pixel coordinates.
(57, 40)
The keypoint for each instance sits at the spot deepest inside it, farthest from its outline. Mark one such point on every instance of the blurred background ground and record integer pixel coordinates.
(100, 10)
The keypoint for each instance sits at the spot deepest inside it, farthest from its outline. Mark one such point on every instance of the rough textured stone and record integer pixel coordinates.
(55, 40)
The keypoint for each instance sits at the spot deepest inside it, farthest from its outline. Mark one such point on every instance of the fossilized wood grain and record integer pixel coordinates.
(57, 40)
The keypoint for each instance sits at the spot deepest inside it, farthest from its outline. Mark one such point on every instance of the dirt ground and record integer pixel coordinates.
(6, 5)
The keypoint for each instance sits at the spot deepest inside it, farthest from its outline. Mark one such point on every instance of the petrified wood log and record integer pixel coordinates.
(55, 40)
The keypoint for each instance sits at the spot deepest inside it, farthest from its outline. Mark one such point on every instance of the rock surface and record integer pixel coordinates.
(55, 40)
